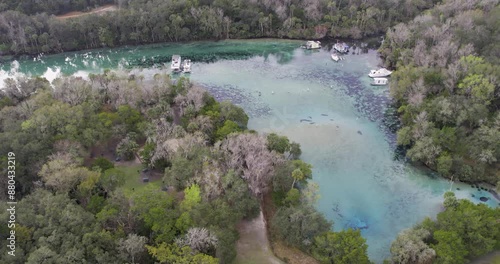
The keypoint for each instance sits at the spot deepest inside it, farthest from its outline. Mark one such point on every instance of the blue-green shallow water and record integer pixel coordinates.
(361, 185)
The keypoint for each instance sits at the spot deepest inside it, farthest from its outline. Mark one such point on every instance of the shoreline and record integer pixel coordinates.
(367, 39)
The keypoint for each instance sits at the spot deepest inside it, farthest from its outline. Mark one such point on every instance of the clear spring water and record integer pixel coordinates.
(328, 107)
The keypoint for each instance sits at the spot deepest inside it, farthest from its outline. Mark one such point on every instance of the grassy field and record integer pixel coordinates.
(133, 180)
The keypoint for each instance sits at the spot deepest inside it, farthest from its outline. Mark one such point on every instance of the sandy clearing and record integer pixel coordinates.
(98, 10)
(253, 245)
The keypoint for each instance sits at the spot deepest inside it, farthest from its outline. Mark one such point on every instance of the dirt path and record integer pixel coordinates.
(98, 10)
(492, 258)
(253, 245)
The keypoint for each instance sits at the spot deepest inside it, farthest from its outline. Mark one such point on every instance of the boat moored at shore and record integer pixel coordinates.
(312, 45)
(341, 47)
(382, 72)
(176, 63)
(379, 81)
(186, 66)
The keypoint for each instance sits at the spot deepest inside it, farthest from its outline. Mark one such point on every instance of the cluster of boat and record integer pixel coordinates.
(379, 76)
(340, 48)
(178, 67)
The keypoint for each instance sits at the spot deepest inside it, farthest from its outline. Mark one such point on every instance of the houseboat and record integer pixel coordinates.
(176, 63)
(312, 45)
(186, 66)
(379, 81)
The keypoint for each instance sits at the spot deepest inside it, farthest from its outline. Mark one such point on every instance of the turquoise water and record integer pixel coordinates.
(361, 185)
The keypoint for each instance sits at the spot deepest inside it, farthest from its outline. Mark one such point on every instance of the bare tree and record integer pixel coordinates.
(198, 239)
(409, 248)
(247, 154)
(133, 245)
(72, 90)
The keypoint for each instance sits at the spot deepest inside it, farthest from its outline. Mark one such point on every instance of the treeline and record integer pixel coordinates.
(56, 7)
(150, 21)
(78, 206)
(461, 232)
(447, 86)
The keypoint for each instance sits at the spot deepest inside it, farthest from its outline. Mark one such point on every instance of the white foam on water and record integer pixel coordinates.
(52, 74)
(82, 74)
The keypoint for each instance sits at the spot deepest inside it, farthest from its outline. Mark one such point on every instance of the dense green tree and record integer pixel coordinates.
(157, 210)
(292, 197)
(127, 148)
(344, 247)
(111, 179)
(191, 197)
(280, 144)
(171, 253)
(229, 111)
(103, 164)
(449, 248)
(299, 225)
(228, 128)
(180, 172)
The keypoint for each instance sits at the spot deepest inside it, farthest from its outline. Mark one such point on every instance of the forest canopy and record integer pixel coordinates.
(33, 30)
(447, 88)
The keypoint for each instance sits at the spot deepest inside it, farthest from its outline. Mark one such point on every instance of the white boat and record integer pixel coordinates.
(379, 81)
(186, 66)
(176, 63)
(382, 72)
(341, 47)
(312, 45)
(335, 57)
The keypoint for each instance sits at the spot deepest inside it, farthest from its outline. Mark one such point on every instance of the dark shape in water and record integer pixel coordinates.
(357, 223)
(473, 195)
(458, 189)
(312, 123)
(324, 114)
(305, 120)
(310, 117)
(359, 132)
(484, 199)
